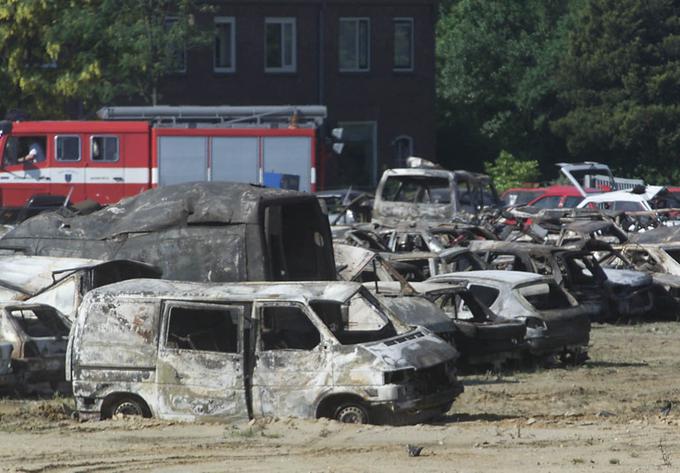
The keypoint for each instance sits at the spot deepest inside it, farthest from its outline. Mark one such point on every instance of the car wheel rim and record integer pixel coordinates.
(351, 415)
(128, 408)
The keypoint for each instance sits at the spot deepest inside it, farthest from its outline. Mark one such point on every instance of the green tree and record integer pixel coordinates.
(508, 171)
(496, 70)
(620, 86)
(56, 52)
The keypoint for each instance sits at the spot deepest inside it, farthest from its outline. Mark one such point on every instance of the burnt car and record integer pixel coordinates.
(483, 337)
(38, 335)
(425, 193)
(608, 294)
(557, 326)
(178, 350)
(359, 264)
(453, 312)
(346, 206)
(62, 282)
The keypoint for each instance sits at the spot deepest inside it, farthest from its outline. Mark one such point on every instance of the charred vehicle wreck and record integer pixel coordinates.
(609, 294)
(428, 194)
(233, 351)
(215, 231)
(481, 337)
(38, 335)
(452, 312)
(556, 325)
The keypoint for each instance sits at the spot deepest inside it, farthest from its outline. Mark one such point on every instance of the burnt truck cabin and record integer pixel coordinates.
(209, 232)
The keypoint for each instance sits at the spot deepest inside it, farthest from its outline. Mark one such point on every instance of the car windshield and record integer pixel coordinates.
(360, 319)
(519, 198)
(40, 322)
(417, 189)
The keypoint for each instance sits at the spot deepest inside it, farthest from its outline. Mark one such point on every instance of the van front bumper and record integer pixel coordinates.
(415, 409)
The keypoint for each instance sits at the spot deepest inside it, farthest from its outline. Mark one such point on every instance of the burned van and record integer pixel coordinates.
(235, 351)
(431, 195)
(209, 231)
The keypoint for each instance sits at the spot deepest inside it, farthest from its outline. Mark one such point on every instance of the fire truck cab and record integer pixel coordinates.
(102, 161)
(133, 149)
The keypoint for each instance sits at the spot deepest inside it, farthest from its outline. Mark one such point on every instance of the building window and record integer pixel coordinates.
(67, 148)
(403, 44)
(177, 50)
(225, 44)
(354, 44)
(403, 148)
(280, 45)
(104, 148)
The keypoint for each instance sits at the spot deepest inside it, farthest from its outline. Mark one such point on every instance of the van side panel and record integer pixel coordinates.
(118, 333)
(113, 349)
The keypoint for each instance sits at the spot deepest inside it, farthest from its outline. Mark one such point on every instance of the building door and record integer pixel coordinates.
(358, 162)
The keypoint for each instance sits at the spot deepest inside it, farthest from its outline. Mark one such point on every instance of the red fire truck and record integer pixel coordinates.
(136, 148)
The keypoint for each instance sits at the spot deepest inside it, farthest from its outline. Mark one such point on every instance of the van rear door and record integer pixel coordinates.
(200, 370)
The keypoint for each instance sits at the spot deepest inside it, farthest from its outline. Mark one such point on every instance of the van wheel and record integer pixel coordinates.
(351, 414)
(127, 406)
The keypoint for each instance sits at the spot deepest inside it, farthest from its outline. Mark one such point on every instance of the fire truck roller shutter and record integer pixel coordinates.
(288, 162)
(182, 159)
(235, 159)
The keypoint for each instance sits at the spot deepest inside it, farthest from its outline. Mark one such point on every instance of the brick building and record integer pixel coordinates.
(371, 62)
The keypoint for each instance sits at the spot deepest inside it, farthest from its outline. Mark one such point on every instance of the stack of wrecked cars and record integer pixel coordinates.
(41, 295)
(556, 325)
(449, 310)
(151, 347)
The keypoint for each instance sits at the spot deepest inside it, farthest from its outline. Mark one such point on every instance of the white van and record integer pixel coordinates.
(177, 350)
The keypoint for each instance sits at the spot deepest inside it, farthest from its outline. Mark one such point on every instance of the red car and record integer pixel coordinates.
(552, 197)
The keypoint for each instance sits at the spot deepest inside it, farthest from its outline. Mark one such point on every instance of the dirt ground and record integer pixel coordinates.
(604, 416)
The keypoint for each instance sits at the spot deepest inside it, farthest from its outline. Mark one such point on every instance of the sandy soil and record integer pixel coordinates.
(604, 417)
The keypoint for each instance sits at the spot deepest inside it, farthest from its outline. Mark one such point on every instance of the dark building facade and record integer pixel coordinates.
(371, 62)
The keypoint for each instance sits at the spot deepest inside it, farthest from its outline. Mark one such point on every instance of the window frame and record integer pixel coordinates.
(283, 69)
(171, 304)
(319, 326)
(92, 137)
(225, 20)
(411, 21)
(357, 20)
(56, 148)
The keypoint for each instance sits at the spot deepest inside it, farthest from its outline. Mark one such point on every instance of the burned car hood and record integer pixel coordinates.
(628, 277)
(418, 311)
(416, 349)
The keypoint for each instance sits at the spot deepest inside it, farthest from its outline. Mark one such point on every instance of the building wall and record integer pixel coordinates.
(398, 103)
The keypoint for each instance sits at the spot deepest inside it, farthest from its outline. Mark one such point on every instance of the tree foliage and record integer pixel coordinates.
(620, 86)
(497, 63)
(508, 171)
(59, 52)
(565, 80)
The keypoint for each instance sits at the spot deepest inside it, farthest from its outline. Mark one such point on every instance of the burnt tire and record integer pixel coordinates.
(127, 406)
(353, 413)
